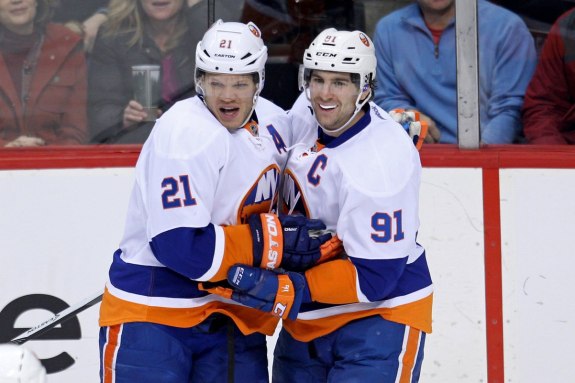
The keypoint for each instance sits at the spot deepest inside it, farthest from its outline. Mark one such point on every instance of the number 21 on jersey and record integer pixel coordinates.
(173, 189)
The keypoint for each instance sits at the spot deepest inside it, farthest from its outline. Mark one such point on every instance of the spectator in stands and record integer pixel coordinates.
(538, 15)
(42, 78)
(83, 17)
(137, 32)
(86, 17)
(416, 68)
(549, 109)
(542, 11)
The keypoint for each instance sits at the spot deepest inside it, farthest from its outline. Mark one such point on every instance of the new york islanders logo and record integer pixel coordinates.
(293, 201)
(255, 31)
(262, 195)
(364, 39)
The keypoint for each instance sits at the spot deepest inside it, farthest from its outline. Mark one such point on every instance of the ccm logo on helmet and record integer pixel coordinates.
(326, 54)
(273, 234)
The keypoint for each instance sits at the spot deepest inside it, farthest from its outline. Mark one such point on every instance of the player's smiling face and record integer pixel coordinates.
(333, 96)
(229, 97)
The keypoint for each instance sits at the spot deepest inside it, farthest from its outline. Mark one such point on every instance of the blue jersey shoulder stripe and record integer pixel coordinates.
(378, 277)
(391, 278)
(415, 277)
(151, 281)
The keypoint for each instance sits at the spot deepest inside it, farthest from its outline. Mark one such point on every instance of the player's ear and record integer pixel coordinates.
(366, 94)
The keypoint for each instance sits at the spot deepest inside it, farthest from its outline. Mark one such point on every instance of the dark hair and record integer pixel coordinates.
(44, 10)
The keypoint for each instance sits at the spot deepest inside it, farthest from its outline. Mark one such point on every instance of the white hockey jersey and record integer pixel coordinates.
(364, 185)
(194, 179)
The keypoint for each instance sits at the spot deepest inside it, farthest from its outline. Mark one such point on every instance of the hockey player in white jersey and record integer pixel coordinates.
(363, 316)
(366, 315)
(209, 168)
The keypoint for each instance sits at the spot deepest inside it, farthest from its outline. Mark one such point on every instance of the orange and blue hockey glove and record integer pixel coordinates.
(291, 242)
(280, 294)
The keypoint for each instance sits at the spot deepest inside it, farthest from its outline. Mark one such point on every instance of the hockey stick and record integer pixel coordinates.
(61, 317)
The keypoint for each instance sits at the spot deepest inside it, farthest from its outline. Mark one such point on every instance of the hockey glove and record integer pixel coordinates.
(277, 293)
(291, 242)
(411, 122)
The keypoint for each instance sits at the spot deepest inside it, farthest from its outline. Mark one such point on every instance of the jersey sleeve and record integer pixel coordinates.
(177, 177)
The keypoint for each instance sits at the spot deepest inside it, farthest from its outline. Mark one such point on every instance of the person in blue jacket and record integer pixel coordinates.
(416, 68)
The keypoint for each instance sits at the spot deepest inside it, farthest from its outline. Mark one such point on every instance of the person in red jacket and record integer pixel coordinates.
(42, 78)
(549, 106)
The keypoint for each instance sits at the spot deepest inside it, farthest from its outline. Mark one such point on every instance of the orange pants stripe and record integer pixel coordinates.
(109, 353)
(408, 355)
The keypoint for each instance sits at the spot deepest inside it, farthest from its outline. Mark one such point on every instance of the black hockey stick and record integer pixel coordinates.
(61, 317)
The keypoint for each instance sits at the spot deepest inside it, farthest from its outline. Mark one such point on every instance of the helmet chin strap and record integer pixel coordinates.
(358, 105)
(254, 100)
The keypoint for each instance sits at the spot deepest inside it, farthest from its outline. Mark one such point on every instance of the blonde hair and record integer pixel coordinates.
(128, 17)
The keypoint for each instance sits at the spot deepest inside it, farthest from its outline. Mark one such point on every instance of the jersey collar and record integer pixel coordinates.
(332, 142)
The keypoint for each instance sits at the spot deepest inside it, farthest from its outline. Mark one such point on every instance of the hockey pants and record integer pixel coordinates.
(371, 349)
(148, 352)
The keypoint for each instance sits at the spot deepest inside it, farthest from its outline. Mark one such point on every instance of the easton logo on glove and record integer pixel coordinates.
(273, 242)
(267, 240)
(289, 242)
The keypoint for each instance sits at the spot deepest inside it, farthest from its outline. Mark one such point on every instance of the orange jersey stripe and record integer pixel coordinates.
(238, 249)
(323, 277)
(410, 354)
(415, 314)
(114, 310)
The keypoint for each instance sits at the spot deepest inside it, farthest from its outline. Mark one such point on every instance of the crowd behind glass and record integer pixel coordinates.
(101, 71)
